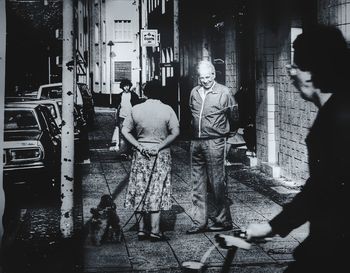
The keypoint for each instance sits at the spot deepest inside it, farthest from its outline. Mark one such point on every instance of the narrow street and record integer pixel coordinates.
(254, 197)
(67, 65)
(35, 235)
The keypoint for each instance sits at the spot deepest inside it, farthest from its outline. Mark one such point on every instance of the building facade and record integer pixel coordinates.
(250, 43)
(115, 47)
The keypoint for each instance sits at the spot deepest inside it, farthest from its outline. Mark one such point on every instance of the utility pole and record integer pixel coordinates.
(2, 95)
(48, 64)
(141, 48)
(67, 152)
(110, 44)
(176, 59)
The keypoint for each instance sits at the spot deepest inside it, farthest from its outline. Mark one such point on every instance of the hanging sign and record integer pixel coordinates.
(149, 37)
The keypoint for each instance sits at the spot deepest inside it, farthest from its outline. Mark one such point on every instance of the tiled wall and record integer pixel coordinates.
(293, 116)
(231, 55)
(336, 13)
(261, 95)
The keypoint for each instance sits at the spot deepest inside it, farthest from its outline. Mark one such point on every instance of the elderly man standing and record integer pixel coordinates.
(213, 110)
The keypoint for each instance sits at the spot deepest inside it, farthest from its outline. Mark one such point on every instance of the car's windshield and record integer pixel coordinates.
(55, 92)
(51, 92)
(20, 119)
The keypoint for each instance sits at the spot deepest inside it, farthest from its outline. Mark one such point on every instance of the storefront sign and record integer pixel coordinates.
(149, 37)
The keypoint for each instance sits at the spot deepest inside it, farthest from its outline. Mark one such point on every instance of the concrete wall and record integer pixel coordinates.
(294, 115)
(261, 92)
(83, 41)
(231, 78)
(95, 45)
(283, 118)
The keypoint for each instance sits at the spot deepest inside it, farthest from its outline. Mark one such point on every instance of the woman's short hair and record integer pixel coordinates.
(125, 82)
(323, 51)
(152, 89)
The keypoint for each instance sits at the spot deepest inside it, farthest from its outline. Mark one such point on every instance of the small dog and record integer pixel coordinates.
(105, 223)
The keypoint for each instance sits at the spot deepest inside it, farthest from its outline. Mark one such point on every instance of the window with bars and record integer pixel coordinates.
(122, 70)
(122, 30)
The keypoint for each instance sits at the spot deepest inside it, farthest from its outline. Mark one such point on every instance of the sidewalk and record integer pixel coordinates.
(254, 196)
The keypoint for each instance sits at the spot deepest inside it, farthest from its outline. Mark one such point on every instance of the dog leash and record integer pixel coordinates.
(144, 195)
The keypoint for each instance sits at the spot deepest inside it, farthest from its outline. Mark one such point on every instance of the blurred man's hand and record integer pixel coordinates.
(258, 231)
(226, 241)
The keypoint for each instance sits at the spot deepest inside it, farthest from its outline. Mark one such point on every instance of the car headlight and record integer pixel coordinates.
(25, 154)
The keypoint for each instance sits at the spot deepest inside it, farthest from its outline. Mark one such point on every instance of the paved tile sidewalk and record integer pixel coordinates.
(107, 173)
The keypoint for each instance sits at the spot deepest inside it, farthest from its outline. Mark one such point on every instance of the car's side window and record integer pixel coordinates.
(44, 121)
(20, 119)
(52, 126)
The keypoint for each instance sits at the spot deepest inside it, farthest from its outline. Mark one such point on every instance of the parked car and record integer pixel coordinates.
(52, 104)
(84, 99)
(55, 107)
(32, 145)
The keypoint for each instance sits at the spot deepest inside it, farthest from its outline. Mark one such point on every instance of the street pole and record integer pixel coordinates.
(67, 151)
(48, 64)
(2, 95)
(176, 59)
(110, 44)
(49, 68)
(140, 10)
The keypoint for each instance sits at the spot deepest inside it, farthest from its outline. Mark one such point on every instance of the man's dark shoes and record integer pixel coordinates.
(219, 227)
(195, 230)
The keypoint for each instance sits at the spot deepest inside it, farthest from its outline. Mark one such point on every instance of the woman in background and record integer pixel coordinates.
(125, 101)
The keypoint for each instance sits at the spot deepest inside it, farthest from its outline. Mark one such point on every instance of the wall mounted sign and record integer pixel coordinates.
(149, 37)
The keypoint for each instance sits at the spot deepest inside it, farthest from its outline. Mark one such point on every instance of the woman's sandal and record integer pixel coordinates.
(142, 235)
(158, 237)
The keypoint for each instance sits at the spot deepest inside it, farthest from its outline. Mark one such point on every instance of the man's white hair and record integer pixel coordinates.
(205, 65)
